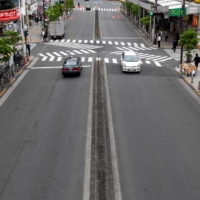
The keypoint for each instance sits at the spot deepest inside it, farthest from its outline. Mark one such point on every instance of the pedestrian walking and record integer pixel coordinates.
(196, 60)
(43, 35)
(159, 40)
(28, 47)
(161, 34)
(166, 35)
(175, 43)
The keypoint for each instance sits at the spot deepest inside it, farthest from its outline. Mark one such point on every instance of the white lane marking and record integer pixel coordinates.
(157, 63)
(83, 59)
(56, 41)
(44, 58)
(15, 84)
(73, 40)
(166, 59)
(142, 45)
(129, 44)
(119, 48)
(116, 43)
(90, 59)
(41, 54)
(114, 157)
(51, 58)
(79, 41)
(109, 42)
(85, 41)
(62, 40)
(49, 54)
(78, 52)
(104, 42)
(122, 43)
(98, 58)
(65, 54)
(71, 53)
(87, 171)
(55, 67)
(57, 54)
(114, 60)
(97, 41)
(140, 62)
(91, 41)
(148, 62)
(59, 58)
(126, 48)
(91, 51)
(135, 44)
(106, 60)
(84, 51)
(68, 40)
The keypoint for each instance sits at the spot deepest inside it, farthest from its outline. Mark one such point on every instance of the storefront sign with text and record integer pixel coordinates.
(9, 15)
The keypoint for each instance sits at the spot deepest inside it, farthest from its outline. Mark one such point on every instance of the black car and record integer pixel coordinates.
(72, 65)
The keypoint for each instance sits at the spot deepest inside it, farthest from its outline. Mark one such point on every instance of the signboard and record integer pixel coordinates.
(192, 10)
(176, 12)
(9, 15)
(195, 21)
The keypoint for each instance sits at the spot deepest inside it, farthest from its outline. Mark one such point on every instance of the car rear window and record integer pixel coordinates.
(131, 58)
(71, 63)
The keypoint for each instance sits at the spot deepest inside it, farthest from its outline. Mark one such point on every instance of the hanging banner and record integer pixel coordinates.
(9, 15)
(195, 21)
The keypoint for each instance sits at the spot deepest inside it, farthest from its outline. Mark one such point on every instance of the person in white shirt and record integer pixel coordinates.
(159, 40)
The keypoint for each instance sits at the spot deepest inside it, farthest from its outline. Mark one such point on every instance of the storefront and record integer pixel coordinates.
(9, 20)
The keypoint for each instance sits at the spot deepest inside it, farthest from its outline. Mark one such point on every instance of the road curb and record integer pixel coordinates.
(12, 81)
(188, 83)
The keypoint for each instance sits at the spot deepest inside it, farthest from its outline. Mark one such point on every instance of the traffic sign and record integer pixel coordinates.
(150, 13)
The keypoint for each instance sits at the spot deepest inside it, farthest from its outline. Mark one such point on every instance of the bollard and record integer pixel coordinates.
(198, 85)
(192, 75)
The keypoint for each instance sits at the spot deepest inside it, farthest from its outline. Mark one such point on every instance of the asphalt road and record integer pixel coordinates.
(43, 122)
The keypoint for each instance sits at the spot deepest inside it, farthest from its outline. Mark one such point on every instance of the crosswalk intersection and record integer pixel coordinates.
(93, 44)
(99, 9)
(93, 59)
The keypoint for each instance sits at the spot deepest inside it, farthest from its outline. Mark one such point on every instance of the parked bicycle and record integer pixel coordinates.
(4, 75)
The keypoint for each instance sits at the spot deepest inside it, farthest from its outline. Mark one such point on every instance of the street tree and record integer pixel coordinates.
(189, 39)
(7, 45)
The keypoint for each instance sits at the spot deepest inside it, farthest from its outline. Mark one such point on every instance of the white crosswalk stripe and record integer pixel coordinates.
(57, 54)
(76, 43)
(106, 60)
(100, 9)
(65, 54)
(59, 58)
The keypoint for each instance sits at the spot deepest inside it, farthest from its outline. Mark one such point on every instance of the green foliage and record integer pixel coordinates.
(5, 50)
(131, 8)
(134, 9)
(145, 20)
(69, 5)
(189, 40)
(10, 38)
(54, 12)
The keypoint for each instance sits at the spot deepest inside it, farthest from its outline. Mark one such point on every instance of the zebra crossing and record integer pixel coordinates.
(106, 60)
(93, 44)
(99, 9)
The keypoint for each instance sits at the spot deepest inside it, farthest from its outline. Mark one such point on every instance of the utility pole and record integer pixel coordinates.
(155, 22)
(21, 27)
(43, 13)
(182, 29)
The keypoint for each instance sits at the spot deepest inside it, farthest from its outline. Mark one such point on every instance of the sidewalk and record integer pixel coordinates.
(168, 45)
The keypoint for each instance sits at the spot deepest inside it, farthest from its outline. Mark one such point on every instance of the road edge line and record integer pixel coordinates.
(87, 173)
(117, 189)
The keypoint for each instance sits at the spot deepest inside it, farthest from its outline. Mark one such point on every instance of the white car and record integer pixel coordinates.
(130, 62)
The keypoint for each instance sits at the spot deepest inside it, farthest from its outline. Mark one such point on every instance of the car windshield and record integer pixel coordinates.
(71, 63)
(131, 58)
